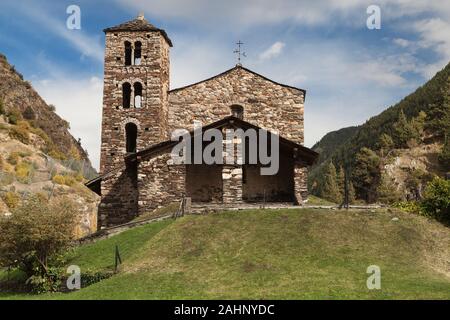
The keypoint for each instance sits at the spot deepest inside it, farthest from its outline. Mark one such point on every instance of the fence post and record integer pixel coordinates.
(118, 259)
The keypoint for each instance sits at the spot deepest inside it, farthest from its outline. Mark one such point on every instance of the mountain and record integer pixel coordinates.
(406, 145)
(38, 155)
(17, 95)
(328, 144)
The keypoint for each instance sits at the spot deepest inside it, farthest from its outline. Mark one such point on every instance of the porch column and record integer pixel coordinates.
(300, 183)
(232, 183)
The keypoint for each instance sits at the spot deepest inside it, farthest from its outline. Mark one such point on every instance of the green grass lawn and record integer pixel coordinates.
(271, 254)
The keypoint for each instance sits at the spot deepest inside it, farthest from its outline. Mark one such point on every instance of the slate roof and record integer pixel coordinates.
(138, 25)
(304, 154)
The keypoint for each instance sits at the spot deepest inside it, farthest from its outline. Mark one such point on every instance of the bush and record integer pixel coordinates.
(436, 202)
(36, 248)
(14, 116)
(59, 179)
(409, 206)
(89, 278)
(11, 199)
(20, 133)
(14, 158)
(69, 181)
(56, 154)
(24, 172)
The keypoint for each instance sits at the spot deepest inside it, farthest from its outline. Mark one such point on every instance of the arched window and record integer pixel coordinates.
(137, 53)
(128, 53)
(131, 137)
(237, 111)
(137, 95)
(126, 93)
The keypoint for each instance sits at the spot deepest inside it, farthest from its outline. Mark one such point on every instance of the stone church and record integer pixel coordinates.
(140, 112)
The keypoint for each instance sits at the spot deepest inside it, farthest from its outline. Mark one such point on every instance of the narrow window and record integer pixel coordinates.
(131, 137)
(137, 95)
(137, 53)
(128, 53)
(126, 92)
(237, 111)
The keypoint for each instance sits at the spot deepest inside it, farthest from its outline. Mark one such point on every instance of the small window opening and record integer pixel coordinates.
(137, 95)
(237, 111)
(137, 53)
(128, 53)
(126, 91)
(131, 137)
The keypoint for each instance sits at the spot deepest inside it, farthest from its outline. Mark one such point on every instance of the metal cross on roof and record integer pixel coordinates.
(239, 53)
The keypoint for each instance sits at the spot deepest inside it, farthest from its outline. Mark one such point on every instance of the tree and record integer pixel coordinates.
(436, 202)
(366, 174)
(330, 189)
(35, 232)
(386, 191)
(385, 144)
(403, 131)
(444, 156)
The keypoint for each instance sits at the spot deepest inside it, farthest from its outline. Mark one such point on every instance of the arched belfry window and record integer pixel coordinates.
(126, 93)
(137, 53)
(128, 53)
(137, 95)
(131, 137)
(237, 111)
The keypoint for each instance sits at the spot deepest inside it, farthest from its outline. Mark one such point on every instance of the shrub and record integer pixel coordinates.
(88, 277)
(409, 206)
(14, 116)
(59, 179)
(20, 133)
(56, 154)
(436, 202)
(24, 172)
(41, 133)
(11, 199)
(69, 181)
(35, 248)
(14, 158)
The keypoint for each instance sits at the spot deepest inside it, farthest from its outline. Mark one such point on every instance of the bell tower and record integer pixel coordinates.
(135, 93)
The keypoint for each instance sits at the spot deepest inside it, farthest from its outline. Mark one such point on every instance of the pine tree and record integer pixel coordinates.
(385, 144)
(366, 174)
(330, 189)
(403, 130)
(386, 191)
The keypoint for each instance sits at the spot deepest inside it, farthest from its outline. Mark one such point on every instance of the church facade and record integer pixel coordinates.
(140, 113)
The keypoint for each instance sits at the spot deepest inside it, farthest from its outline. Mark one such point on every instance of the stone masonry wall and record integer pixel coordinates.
(300, 183)
(119, 201)
(159, 182)
(266, 104)
(153, 74)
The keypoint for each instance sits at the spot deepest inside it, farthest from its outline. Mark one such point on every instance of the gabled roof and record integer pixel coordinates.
(136, 25)
(239, 67)
(307, 155)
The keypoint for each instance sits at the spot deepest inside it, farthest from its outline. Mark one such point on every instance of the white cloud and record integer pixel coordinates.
(87, 45)
(273, 51)
(78, 101)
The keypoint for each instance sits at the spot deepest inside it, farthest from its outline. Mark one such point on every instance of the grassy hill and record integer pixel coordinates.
(271, 254)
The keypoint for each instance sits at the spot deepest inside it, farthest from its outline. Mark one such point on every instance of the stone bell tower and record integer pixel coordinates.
(135, 94)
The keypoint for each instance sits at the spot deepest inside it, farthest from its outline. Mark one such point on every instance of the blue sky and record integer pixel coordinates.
(324, 46)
